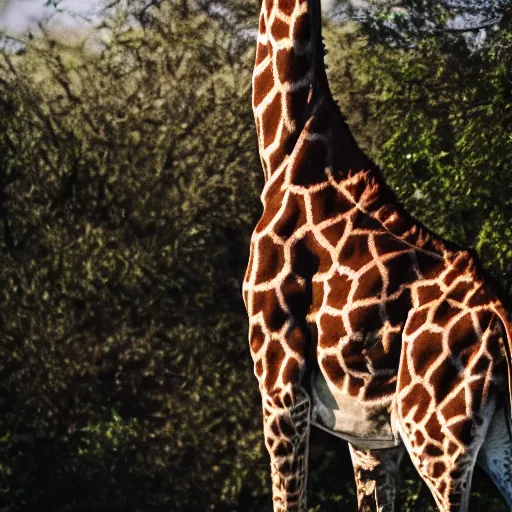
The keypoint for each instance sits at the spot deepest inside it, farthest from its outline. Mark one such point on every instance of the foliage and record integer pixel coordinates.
(129, 189)
(439, 104)
(129, 185)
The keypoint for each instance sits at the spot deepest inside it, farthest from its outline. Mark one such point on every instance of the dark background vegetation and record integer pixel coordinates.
(129, 186)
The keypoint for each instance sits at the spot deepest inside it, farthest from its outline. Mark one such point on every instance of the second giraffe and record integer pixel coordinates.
(361, 321)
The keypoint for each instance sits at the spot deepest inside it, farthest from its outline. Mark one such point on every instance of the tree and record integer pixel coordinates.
(436, 93)
(129, 190)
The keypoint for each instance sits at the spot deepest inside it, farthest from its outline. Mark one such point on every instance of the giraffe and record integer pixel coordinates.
(362, 322)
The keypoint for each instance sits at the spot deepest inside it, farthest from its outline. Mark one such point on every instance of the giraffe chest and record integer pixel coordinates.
(359, 309)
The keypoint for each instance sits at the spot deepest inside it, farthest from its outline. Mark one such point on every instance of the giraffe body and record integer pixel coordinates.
(361, 320)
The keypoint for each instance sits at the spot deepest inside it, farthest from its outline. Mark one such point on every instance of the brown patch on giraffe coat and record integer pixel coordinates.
(285, 425)
(257, 338)
(419, 438)
(332, 330)
(291, 372)
(495, 340)
(365, 319)
(485, 317)
(416, 320)
(404, 376)
(385, 354)
(451, 449)
(432, 450)
(327, 204)
(263, 84)
(295, 105)
(425, 350)
(482, 365)
(305, 261)
(419, 398)
(258, 368)
(309, 164)
(272, 261)
(352, 354)
(302, 29)
(317, 297)
(284, 466)
(438, 469)
(274, 357)
(340, 286)
(434, 429)
(455, 406)
(275, 428)
(290, 66)
(370, 284)
(268, 304)
(462, 431)
(275, 159)
(428, 293)
(399, 269)
(378, 389)
(296, 297)
(354, 385)
(461, 289)
(399, 308)
(385, 244)
(292, 219)
(355, 252)
(332, 369)
(287, 6)
(476, 391)
(429, 266)
(286, 141)
(364, 222)
(270, 119)
(445, 378)
(262, 51)
(296, 340)
(444, 313)
(262, 24)
(272, 206)
(279, 29)
(456, 474)
(283, 448)
(334, 232)
(479, 298)
(463, 336)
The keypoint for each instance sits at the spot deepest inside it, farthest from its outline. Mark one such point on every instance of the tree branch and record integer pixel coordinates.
(483, 26)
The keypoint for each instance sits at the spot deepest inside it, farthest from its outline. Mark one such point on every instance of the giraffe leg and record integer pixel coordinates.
(376, 473)
(446, 399)
(449, 479)
(495, 455)
(444, 459)
(278, 337)
(287, 441)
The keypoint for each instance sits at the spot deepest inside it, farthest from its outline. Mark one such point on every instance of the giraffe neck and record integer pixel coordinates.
(283, 77)
(291, 94)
